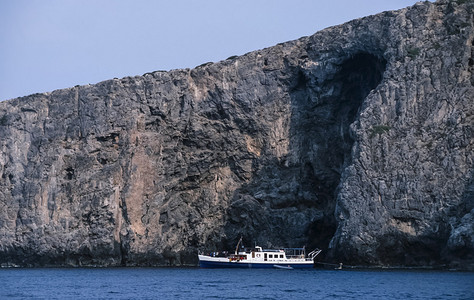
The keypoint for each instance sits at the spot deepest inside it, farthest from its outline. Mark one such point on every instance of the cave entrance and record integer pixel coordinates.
(293, 198)
(322, 114)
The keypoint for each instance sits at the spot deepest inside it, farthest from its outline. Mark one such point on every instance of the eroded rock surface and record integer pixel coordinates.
(357, 140)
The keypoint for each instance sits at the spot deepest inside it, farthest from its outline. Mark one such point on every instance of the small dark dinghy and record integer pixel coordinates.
(283, 267)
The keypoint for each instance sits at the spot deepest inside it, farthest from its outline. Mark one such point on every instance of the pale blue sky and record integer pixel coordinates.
(52, 44)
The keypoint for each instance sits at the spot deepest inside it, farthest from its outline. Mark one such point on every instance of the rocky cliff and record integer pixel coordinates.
(357, 140)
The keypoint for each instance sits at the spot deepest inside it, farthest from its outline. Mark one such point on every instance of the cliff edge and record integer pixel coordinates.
(357, 140)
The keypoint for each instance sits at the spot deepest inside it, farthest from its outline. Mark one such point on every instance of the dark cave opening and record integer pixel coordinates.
(292, 199)
(322, 115)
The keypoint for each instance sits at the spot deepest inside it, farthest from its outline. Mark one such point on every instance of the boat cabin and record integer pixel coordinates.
(271, 255)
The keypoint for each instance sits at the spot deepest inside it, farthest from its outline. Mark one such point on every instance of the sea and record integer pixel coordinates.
(195, 283)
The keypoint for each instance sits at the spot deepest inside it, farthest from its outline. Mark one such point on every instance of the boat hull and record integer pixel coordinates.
(213, 263)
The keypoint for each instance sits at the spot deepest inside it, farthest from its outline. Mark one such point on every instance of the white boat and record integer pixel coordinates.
(257, 257)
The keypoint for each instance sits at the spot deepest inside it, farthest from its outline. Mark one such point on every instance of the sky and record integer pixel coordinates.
(51, 44)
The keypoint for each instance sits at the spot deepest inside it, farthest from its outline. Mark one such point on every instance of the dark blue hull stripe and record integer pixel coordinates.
(212, 264)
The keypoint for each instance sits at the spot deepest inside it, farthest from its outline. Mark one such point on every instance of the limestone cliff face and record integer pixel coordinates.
(357, 140)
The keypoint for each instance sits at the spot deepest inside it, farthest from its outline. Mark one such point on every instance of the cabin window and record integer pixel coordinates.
(270, 255)
(281, 255)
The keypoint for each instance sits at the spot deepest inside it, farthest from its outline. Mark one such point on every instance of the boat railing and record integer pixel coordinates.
(301, 255)
(314, 253)
(214, 253)
(295, 256)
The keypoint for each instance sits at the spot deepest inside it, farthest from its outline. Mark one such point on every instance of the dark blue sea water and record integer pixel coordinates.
(164, 283)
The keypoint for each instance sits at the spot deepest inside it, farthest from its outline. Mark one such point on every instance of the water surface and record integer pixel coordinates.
(193, 283)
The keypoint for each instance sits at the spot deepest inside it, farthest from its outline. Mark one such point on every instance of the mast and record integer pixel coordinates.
(237, 247)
